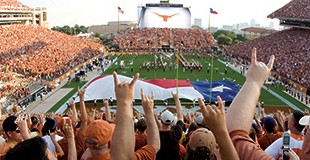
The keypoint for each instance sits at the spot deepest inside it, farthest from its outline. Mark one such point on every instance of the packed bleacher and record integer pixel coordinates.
(292, 47)
(295, 9)
(29, 54)
(13, 84)
(13, 5)
(153, 38)
(36, 50)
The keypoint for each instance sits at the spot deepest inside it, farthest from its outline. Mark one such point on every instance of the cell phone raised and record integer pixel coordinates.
(286, 145)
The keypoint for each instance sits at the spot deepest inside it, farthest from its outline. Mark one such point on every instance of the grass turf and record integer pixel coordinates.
(134, 62)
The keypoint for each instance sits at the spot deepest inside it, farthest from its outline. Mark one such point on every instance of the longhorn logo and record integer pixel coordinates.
(165, 17)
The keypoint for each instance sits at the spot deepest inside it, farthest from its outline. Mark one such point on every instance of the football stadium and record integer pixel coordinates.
(77, 93)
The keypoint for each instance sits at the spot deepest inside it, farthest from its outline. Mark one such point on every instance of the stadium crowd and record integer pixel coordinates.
(153, 38)
(292, 47)
(13, 5)
(30, 53)
(14, 84)
(39, 51)
(237, 133)
(296, 9)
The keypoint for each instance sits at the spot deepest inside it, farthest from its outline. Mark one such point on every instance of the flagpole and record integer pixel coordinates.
(209, 25)
(177, 76)
(211, 78)
(117, 21)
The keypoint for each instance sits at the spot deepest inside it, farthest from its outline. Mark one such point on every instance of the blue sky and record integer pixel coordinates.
(96, 12)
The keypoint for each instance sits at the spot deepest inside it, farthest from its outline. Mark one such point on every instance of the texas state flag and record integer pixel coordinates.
(102, 87)
(213, 11)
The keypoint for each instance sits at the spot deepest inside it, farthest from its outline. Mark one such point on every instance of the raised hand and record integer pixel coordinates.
(175, 95)
(67, 128)
(124, 91)
(259, 71)
(147, 102)
(215, 117)
(81, 92)
(22, 125)
(71, 103)
(105, 103)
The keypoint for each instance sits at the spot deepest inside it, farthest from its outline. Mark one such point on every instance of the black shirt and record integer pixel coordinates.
(169, 142)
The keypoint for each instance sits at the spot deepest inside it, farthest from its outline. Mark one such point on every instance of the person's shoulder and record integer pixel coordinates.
(145, 153)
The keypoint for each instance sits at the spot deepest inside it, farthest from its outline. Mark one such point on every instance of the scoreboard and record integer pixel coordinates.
(164, 16)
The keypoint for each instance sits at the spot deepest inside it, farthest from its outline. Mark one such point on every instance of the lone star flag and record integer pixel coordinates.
(212, 11)
(120, 10)
(162, 88)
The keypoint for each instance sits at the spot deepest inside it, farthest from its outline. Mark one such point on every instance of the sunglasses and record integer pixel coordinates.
(17, 131)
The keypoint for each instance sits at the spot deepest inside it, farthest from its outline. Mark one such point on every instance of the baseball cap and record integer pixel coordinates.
(305, 120)
(167, 117)
(9, 124)
(269, 121)
(202, 137)
(99, 131)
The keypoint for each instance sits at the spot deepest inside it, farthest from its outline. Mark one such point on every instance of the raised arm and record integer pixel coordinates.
(241, 111)
(22, 125)
(59, 150)
(123, 140)
(74, 113)
(215, 119)
(152, 129)
(69, 133)
(178, 106)
(83, 126)
(107, 110)
(159, 125)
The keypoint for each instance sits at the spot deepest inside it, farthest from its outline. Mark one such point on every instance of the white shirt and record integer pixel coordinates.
(276, 147)
(50, 143)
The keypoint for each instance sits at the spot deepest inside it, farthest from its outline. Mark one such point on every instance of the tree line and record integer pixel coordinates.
(76, 29)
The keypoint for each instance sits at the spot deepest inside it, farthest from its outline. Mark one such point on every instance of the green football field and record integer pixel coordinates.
(133, 63)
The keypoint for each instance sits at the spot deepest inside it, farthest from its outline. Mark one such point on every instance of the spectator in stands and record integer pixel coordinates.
(202, 141)
(171, 135)
(141, 136)
(98, 134)
(13, 5)
(16, 131)
(123, 137)
(201, 145)
(241, 111)
(290, 46)
(296, 139)
(34, 148)
(271, 134)
(50, 137)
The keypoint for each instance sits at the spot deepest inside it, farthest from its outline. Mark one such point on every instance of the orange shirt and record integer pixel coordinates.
(101, 157)
(246, 147)
(141, 140)
(147, 152)
(267, 140)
